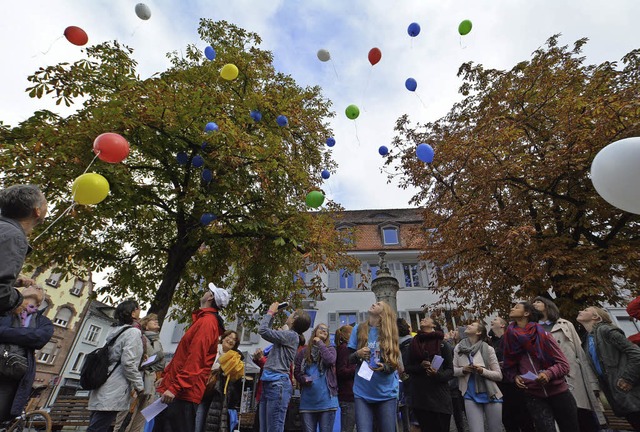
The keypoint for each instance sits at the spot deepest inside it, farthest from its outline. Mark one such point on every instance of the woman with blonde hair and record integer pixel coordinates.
(375, 350)
(345, 372)
(315, 372)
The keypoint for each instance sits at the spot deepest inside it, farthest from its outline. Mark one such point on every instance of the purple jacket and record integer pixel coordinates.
(328, 357)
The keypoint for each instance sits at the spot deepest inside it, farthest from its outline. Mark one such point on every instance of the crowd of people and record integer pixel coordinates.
(530, 372)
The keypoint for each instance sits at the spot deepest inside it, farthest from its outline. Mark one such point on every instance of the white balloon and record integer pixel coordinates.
(615, 173)
(323, 55)
(143, 11)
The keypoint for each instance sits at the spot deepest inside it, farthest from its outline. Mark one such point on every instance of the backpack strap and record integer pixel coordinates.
(110, 344)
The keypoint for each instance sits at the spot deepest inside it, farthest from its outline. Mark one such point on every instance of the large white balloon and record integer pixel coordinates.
(323, 55)
(143, 11)
(615, 173)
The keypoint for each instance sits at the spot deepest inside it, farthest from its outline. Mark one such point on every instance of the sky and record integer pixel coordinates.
(504, 33)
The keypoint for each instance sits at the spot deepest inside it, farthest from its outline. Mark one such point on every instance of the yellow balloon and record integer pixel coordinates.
(90, 188)
(229, 72)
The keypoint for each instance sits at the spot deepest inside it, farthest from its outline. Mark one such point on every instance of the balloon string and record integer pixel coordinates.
(94, 159)
(420, 99)
(355, 125)
(67, 210)
(334, 69)
(50, 46)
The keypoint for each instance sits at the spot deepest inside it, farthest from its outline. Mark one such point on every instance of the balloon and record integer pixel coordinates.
(207, 175)
(111, 147)
(411, 84)
(209, 53)
(383, 150)
(182, 158)
(352, 112)
(229, 72)
(282, 120)
(76, 35)
(197, 161)
(615, 173)
(465, 27)
(204, 145)
(210, 127)
(414, 29)
(331, 141)
(256, 115)
(90, 188)
(323, 55)
(143, 11)
(207, 218)
(374, 56)
(325, 174)
(314, 199)
(425, 153)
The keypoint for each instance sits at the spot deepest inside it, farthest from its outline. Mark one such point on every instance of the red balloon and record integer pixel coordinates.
(374, 56)
(76, 35)
(111, 147)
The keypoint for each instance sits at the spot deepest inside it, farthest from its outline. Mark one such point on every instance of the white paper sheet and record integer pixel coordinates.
(149, 360)
(436, 362)
(153, 410)
(530, 376)
(365, 371)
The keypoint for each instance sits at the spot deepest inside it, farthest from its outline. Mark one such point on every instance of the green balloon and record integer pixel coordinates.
(352, 112)
(315, 199)
(465, 27)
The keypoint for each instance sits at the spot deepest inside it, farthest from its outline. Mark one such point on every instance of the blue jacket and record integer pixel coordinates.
(31, 339)
(13, 250)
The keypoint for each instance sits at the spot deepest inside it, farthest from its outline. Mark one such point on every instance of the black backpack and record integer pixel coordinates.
(95, 370)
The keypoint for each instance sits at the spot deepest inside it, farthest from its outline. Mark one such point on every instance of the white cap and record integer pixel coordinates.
(220, 295)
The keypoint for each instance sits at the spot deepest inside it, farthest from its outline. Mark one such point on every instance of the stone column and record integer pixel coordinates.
(385, 286)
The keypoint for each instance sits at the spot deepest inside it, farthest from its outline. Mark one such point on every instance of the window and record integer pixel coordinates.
(246, 335)
(48, 353)
(92, 334)
(414, 319)
(390, 236)
(411, 275)
(63, 317)
(346, 279)
(628, 326)
(77, 365)
(178, 331)
(53, 280)
(347, 318)
(373, 268)
(77, 287)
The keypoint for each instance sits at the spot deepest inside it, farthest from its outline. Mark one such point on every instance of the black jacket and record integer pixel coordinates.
(13, 250)
(431, 393)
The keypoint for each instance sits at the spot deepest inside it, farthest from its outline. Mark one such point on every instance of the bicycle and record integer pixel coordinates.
(37, 420)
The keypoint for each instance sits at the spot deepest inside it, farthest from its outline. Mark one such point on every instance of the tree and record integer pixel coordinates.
(149, 229)
(509, 194)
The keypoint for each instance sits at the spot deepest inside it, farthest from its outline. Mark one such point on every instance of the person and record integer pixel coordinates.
(150, 327)
(22, 332)
(276, 383)
(184, 379)
(404, 339)
(22, 208)
(582, 382)
(633, 309)
(476, 366)
(451, 339)
(374, 348)
(616, 362)
(260, 359)
(125, 381)
(535, 362)
(515, 416)
(226, 393)
(430, 398)
(345, 372)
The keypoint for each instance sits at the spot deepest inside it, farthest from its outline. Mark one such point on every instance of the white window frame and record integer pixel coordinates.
(75, 290)
(390, 227)
(77, 365)
(93, 334)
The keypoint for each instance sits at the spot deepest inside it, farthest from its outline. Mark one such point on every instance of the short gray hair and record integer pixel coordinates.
(18, 201)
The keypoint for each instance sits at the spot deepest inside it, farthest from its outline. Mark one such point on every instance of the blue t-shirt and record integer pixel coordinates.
(383, 386)
(317, 397)
(479, 398)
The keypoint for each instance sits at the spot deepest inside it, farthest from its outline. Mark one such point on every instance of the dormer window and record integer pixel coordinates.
(390, 235)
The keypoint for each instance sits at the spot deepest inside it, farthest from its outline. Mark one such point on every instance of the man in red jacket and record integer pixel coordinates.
(184, 379)
(633, 309)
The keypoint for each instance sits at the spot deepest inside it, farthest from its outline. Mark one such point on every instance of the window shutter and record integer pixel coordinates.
(404, 315)
(362, 316)
(333, 322)
(334, 280)
(178, 332)
(397, 272)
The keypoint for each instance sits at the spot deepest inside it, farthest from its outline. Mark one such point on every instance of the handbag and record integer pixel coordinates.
(13, 365)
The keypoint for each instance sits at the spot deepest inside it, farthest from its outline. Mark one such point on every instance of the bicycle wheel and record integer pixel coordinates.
(33, 421)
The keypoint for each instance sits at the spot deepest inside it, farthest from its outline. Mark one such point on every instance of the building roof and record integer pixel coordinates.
(378, 216)
(102, 310)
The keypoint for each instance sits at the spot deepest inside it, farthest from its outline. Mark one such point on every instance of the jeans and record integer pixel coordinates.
(100, 421)
(201, 413)
(477, 412)
(324, 419)
(347, 416)
(381, 414)
(274, 403)
(560, 408)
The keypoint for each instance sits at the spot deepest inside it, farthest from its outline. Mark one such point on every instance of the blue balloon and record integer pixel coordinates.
(383, 150)
(414, 29)
(210, 127)
(210, 53)
(282, 120)
(204, 145)
(411, 84)
(331, 141)
(207, 218)
(256, 115)
(425, 153)
(325, 174)
(206, 175)
(197, 161)
(182, 158)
